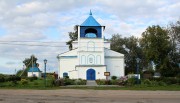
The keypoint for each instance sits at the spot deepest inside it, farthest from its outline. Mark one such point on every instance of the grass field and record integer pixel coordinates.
(39, 84)
(135, 87)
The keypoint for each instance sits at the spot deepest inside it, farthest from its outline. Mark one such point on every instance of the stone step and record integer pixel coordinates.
(91, 83)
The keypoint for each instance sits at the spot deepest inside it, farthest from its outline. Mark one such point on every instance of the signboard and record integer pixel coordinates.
(106, 73)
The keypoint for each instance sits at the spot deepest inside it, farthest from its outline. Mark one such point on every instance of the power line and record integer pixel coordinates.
(35, 41)
(45, 41)
(32, 45)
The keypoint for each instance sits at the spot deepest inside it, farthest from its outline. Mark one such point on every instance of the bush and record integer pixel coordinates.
(131, 81)
(167, 80)
(161, 83)
(122, 81)
(68, 81)
(101, 82)
(80, 82)
(24, 82)
(66, 77)
(12, 78)
(32, 78)
(147, 82)
(114, 77)
(2, 78)
(59, 82)
(114, 82)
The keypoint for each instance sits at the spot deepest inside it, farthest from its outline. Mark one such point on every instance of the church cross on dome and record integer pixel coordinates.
(90, 12)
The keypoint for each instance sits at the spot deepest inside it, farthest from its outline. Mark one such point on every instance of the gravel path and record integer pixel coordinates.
(88, 96)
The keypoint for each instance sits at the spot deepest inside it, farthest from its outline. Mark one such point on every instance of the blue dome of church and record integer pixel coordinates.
(90, 21)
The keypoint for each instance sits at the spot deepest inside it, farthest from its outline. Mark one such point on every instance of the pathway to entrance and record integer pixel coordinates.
(91, 83)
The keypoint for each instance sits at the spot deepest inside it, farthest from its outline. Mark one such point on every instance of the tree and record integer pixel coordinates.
(73, 36)
(174, 34)
(156, 47)
(131, 50)
(29, 62)
(174, 55)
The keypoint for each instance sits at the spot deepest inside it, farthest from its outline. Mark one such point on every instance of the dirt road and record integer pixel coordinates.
(88, 96)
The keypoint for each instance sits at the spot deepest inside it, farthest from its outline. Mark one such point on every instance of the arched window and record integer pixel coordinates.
(65, 74)
(91, 59)
(91, 33)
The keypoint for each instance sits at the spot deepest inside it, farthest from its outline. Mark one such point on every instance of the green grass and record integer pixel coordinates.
(40, 85)
(136, 87)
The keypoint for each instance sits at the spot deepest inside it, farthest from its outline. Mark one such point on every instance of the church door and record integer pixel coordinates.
(91, 74)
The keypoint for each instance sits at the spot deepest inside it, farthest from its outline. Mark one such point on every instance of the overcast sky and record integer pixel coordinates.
(47, 22)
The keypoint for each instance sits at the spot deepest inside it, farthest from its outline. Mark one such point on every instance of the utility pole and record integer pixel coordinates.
(32, 65)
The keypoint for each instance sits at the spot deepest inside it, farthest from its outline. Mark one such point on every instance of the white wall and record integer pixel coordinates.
(98, 58)
(75, 44)
(115, 66)
(98, 44)
(67, 65)
(107, 44)
(37, 74)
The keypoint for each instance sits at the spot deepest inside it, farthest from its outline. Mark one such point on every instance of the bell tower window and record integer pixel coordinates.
(91, 33)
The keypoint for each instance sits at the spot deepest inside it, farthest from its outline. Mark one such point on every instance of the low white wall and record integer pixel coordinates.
(36, 74)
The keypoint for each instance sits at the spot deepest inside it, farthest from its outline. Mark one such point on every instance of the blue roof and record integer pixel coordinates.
(34, 69)
(90, 21)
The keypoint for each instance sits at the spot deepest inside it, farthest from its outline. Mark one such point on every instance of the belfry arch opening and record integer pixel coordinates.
(91, 33)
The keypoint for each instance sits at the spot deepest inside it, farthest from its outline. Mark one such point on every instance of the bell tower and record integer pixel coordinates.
(91, 42)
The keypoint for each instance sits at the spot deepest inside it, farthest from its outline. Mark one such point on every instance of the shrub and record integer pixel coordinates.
(114, 77)
(68, 81)
(122, 81)
(161, 83)
(59, 82)
(147, 82)
(101, 82)
(131, 81)
(66, 77)
(108, 82)
(167, 80)
(114, 82)
(80, 82)
(24, 82)
(12, 78)
(2, 79)
(32, 78)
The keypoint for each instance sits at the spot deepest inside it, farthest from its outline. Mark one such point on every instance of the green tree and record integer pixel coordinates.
(174, 34)
(131, 50)
(174, 55)
(73, 36)
(28, 62)
(156, 47)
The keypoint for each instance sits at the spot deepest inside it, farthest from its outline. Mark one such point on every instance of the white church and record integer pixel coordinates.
(91, 57)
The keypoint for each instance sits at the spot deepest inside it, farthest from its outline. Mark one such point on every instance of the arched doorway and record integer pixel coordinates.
(91, 74)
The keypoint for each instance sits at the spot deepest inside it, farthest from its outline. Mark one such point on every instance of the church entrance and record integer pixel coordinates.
(91, 74)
